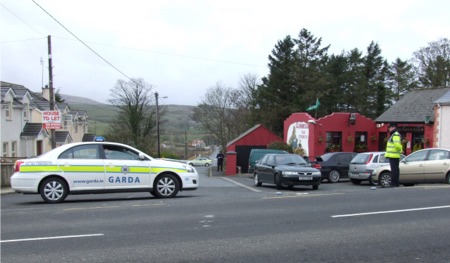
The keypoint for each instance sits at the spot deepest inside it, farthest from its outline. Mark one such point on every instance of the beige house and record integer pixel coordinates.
(22, 132)
(442, 121)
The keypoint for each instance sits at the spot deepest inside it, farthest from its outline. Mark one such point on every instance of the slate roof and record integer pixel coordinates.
(62, 136)
(88, 137)
(414, 107)
(31, 130)
(444, 100)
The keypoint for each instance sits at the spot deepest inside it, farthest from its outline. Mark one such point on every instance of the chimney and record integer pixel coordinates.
(46, 93)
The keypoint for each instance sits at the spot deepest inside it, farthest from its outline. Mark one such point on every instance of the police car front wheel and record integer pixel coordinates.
(54, 190)
(166, 185)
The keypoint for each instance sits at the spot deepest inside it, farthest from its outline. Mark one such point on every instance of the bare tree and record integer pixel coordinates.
(221, 114)
(136, 119)
(433, 64)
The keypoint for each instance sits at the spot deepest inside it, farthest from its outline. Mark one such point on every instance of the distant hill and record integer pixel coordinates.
(175, 121)
(79, 100)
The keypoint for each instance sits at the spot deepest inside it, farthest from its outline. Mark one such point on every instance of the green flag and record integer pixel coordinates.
(314, 107)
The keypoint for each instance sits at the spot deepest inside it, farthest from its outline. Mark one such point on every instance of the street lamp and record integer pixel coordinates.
(157, 123)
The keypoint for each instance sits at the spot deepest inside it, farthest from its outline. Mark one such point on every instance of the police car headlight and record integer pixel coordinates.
(190, 169)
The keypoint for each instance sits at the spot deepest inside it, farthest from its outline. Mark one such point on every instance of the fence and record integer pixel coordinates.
(7, 169)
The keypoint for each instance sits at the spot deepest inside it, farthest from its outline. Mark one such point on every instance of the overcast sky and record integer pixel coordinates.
(184, 47)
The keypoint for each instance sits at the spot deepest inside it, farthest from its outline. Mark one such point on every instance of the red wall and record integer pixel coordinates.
(335, 122)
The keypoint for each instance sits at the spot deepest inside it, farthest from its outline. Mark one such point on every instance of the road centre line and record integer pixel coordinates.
(242, 185)
(392, 211)
(302, 195)
(48, 238)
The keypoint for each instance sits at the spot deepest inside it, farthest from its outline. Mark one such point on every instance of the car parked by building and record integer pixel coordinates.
(363, 164)
(334, 165)
(431, 165)
(285, 170)
(201, 161)
(100, 167)
(257, 154)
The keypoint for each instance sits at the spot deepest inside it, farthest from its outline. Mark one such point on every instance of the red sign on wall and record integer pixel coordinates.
(51, 119)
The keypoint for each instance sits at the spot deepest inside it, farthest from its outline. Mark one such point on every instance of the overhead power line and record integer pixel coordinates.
(81, 41)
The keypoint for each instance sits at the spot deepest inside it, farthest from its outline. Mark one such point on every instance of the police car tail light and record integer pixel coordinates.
(17, 165)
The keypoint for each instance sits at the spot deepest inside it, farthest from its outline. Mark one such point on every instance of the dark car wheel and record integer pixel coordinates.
(206, 164)
(315, 187)
(447, 178)
(334, 176)
(385, 179)
(278, 182)
(166, 186)
(54, 190)
(355, 181)
(256, 180)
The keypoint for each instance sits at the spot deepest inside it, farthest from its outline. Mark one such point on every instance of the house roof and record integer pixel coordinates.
(444, 100)
(31, 130)
(414, 107)
(88, 137)
(62, 136)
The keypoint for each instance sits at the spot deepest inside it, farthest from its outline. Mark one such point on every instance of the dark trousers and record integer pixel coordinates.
(220, 166)
(395, 171)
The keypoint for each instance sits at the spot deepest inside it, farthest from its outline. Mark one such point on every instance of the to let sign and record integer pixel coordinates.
(51, 119)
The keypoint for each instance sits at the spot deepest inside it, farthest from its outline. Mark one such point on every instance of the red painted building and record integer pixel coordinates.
(238, 150)
(340, 131)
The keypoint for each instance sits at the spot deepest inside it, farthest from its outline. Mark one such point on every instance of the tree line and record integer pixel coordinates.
(302, 74)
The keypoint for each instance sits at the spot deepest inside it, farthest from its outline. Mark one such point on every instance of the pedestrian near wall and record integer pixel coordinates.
(220, 161)
(394, 150)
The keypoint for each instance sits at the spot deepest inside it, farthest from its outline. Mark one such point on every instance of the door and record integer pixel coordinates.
(411, 168)
(436, 166)
(124, 169)
(83, 167)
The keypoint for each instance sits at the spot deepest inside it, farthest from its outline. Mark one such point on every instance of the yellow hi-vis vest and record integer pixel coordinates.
(394, 146)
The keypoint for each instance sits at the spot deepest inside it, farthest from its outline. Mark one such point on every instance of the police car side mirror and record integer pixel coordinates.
(141, 156)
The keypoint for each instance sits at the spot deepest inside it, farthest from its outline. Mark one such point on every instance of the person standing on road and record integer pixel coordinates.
(220, 161)
(394, 149)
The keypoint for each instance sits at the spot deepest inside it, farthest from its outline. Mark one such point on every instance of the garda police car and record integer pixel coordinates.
(100, 167)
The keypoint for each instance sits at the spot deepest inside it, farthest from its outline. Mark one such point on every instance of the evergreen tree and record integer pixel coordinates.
(433, 64)
(402, 79)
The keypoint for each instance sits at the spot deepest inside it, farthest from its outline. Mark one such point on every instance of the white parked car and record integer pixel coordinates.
(201, 161)
(363, 164)
(100, 167)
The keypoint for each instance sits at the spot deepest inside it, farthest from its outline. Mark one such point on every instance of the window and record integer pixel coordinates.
(438, 155)
(26, 111)
(13, 149)
(334, 140)
(5, 152)
(9, 111)
(119, 153)
(417, 156)
(81, 152)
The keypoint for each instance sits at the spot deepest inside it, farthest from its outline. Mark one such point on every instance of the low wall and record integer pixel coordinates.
(7, 169)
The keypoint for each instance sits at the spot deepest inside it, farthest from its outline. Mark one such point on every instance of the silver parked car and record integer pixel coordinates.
(363, 164)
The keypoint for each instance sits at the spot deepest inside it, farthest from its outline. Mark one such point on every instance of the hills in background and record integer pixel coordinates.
(176, 124)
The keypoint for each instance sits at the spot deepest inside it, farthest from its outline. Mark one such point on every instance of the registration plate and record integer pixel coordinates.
(305, 178)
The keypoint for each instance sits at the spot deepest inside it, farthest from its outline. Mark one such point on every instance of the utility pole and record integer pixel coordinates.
(50, 86)
(157, 124)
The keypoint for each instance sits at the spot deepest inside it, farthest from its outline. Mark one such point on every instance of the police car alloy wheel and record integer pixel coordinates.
(53, 190)
(166, 186)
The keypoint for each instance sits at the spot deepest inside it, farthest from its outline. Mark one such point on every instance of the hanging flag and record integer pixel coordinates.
(314, 107)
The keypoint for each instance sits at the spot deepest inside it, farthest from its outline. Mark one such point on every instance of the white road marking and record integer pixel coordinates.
(242, 185)
(393, 211)
(48, 238)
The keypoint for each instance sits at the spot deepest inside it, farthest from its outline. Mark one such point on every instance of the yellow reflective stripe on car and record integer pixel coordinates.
(83, 168)
(39, 168)
(161, 169)
(130, 169)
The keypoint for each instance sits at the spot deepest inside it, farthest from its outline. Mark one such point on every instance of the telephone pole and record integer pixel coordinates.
(50, 86)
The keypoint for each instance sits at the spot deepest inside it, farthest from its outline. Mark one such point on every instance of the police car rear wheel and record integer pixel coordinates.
(166, 186)
(54, 190)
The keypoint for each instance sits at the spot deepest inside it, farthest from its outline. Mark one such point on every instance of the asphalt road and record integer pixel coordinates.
(229, 220)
